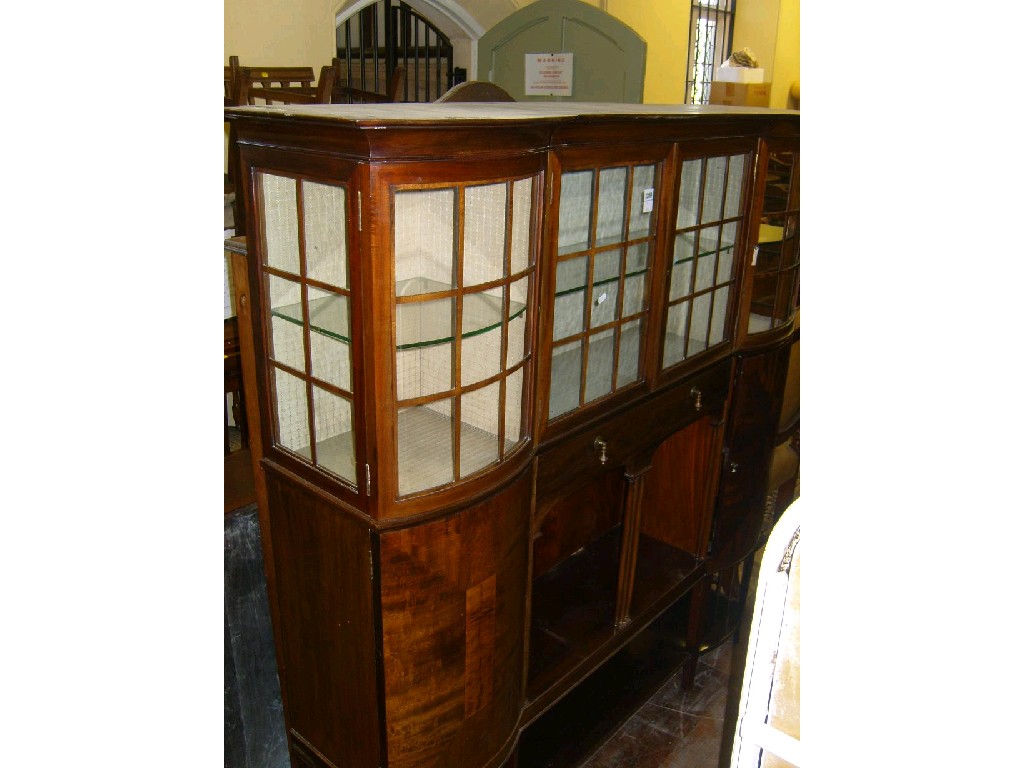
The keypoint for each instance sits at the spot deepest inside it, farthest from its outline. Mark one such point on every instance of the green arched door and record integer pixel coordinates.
(609, 58)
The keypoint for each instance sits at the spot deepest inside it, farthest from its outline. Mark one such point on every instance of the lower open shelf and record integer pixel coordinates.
(573, 605)
(571, 730)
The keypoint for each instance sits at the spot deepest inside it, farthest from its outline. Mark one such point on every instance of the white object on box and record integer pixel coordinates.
(727, 74)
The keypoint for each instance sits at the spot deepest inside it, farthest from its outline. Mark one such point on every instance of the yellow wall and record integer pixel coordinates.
(664, 26)
(301, 32)
(787, 55)
(279, 33)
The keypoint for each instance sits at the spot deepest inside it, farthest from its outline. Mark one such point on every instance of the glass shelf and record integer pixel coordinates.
(579, 285)
(328, 315)
(430, 322)
(420, 323)
(637, 236)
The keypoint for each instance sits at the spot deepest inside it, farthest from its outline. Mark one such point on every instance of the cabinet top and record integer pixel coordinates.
(382, 114)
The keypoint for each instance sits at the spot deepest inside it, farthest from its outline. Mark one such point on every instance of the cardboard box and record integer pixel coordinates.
(739, 74)
(740, 94)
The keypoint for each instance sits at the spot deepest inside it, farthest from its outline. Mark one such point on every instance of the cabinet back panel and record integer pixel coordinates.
(573, 521)
(677, 495)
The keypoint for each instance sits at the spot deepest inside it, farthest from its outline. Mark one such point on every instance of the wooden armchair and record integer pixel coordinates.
(284, 85)
(268, 85)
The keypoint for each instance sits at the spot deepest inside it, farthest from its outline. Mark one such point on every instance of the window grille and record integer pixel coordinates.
(710, 45)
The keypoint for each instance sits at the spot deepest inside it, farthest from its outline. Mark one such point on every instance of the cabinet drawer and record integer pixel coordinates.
(630, 436)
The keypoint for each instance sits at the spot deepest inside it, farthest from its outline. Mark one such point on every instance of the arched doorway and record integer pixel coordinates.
(434, 42)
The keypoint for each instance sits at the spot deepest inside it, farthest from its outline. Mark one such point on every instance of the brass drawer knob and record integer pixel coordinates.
(601, 446)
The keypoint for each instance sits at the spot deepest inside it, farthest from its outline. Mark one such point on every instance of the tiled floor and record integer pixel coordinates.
(679, 728)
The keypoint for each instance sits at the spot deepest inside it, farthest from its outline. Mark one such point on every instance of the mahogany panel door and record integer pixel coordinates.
(453, 595)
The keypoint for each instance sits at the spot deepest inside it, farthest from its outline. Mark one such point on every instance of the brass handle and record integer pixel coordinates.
(733, 467)
(696, 395)
(601, 446)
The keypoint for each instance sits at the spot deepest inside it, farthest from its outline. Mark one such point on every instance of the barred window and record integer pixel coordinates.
(710, 45)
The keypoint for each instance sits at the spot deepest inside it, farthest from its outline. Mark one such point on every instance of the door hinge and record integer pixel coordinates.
(359, 209)
(368, 485)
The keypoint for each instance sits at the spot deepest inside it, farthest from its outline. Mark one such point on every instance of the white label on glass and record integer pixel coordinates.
(601, 298)
(648, 200)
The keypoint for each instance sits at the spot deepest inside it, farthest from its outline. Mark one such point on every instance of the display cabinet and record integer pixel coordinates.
(506, 358)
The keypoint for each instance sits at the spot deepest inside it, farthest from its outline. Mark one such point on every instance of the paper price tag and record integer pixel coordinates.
(648, 200)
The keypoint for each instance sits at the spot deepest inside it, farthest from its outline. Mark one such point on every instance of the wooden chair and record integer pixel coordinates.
(476, 90)
(232, 73)
(344, 94)
(270, 85)
(284, 85)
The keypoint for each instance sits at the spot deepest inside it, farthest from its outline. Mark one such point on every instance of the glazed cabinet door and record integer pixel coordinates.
(457, 317)
(775, 285)
(604, 243)
(308, 341)
(702, 272)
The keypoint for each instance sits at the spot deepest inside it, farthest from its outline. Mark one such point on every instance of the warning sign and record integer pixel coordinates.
(548, 74)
